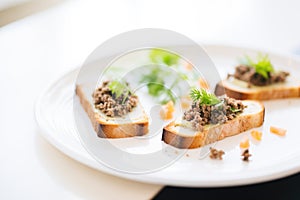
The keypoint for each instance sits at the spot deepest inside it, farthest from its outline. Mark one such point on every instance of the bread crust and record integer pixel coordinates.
(280, 92)
(215, 133)
(105, 129)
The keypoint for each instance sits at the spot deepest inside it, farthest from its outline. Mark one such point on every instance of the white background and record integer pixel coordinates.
(39, 48)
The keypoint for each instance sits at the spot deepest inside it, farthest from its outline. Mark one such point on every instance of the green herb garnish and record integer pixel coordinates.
(155, 82)
(156, 78)
(118, 88)
(203, 97)
(155, 85)
(263, 65)
(165, 57)
(234, 110)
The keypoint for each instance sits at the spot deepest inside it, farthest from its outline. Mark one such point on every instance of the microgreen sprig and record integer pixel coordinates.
(262, 65)
(155, 79)
(118, 88)
(203, 97)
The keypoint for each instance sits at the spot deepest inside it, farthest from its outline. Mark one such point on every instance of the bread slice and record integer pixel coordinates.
(239, 90)
(134, 123)
(181, 136)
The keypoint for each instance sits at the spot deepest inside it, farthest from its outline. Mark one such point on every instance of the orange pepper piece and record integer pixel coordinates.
(245, 144)
(278, 131)
(256, 135)
(185, 102)
(189, 66)
(167, 110)
(203, 83)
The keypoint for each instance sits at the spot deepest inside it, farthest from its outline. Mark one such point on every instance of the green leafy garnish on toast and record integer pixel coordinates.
(203, 97)
(118, 88)
(235, 110)
(262, 65)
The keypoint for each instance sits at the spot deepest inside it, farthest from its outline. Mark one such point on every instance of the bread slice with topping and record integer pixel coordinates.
(258, 80)
(184, 134)
(132, 123)
(240, 90)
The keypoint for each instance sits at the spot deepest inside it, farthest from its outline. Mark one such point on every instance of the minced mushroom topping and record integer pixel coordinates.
(216, 154)
(246, 155)
(114, 99)
(249, 74)
(260, 72)
(219, 110)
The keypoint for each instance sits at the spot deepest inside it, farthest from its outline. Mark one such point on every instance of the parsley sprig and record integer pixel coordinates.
(118, 88)
(262, 65)
(203, 97)
(235, 110)
(156, 85)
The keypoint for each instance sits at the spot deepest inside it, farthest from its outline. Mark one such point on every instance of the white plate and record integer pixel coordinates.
(274, 157)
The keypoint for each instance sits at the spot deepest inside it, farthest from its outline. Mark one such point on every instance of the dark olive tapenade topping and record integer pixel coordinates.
(201, 114)
(259, 72)
(114, 104)
(249, 74)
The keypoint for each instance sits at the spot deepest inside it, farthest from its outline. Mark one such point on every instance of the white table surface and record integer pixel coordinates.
(39, 48)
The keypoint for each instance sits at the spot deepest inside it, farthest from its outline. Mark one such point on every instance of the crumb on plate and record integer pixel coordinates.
(246, 155)
(216, 154)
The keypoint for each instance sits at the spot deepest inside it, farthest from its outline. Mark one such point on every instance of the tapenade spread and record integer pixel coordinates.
(113, 104)
(201, 114)
(249, 74)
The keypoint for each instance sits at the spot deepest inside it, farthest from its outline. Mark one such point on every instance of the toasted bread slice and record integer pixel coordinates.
(239, 90)
(134, 123)
(181, 136)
